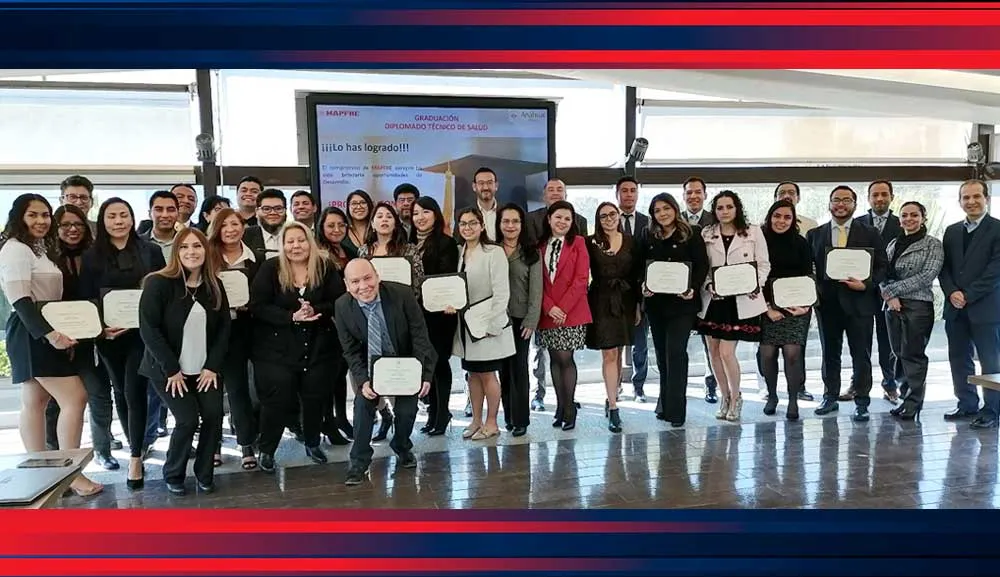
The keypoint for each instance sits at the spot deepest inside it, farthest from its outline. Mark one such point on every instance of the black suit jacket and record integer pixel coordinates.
(405, 325)
(640, 224)
(536, 224)
(861, 235)
(253, 237)
(163, 310)
(280, 340)
(975, 271)
(891, 229)
(707, 218)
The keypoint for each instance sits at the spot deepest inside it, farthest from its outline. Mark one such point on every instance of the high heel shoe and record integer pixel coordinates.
(723, 409)
(792, 414)
(345, 427)
(735, 410)
(441, 429)
(483, 434)
(385, 425)
(136, 484)
(614, 421)
(909, 413)
(771, 406)
(558, 421)
(471, 430)
(570, 420)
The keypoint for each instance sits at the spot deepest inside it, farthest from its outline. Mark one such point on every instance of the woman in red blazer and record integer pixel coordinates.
(565, 311)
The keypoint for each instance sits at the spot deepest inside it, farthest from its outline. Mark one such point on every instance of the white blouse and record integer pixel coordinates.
(194, 342)
(25, 274)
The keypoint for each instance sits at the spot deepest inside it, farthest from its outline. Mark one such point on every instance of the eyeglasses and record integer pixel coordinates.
(69, 225)
(841, 201)
(77, 197)
(608, 215)
(272, 209)
(468, 224)
(358, 204)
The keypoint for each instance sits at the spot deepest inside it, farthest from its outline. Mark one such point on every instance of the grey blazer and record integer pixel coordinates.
(525, 290)
(916, 268)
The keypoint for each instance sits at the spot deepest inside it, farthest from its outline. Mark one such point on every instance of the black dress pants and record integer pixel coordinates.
(194, 412)
(909, 332)
(441, 330)
(121, 358)
(282, 388)
(236, 379)
(364, 421)
(514, 384)
(670, 344)
(834, 323)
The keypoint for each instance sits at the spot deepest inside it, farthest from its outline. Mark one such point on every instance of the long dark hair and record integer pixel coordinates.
(437, 229)
(209, 270)
(547, 228)
(16, 228)
(529, 251)
(323, 243)
(208, 205)
(88, 237)
(365, 197)
(484, 238)
(681, 226)
(768, 230)
(603, 242)
(740, 220)
(398, 241)
(102, 244)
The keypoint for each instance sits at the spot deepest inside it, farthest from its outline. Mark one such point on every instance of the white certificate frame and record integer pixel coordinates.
(397, 376)
(240, 297)
(797, 291)
(735, 270)
(116, 318)
(842, 272)
(656, 288)
(392, 270)
(432, 287)
(481, 313)
(78, 320)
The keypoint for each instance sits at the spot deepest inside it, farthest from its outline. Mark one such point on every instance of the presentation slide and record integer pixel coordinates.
(438, 149)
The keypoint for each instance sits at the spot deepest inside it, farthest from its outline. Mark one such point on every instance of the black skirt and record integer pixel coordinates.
(32, 358)
(722, 322)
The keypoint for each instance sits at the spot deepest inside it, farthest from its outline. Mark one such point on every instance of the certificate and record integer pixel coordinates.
(670, 278)
(75, 319)
(478, 318)
(735, 279)
(394, 269)
(845, 263)
(797, 291)
(443, 291)
(396, 376)
(121, 308)
(237, 287)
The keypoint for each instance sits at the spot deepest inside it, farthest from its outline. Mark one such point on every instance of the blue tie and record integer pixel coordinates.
(374, 333)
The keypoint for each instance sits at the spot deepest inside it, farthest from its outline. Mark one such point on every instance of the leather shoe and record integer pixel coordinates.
(408, 460)
(711, 397)
(805, 396)
(519, 431)
(355, 476)
(266, 462)
(959, 415)
(537, 405)
(107, 461)
(984, 422)
(848, 396)
(206, 487)
(827, 406)
(861, 415)
(177, 489)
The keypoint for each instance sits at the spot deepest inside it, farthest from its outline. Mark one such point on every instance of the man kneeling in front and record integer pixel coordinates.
(375, 320)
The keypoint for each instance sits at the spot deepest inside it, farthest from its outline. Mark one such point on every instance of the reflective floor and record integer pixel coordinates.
(822, 463)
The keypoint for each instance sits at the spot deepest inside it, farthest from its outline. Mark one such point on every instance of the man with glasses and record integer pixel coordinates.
(404, 196)
(79, 191)
(485, 184)
(846, 305)
(272, 210)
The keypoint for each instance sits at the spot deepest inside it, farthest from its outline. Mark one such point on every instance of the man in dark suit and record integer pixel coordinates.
(380, 319)
(970, 280)
(272, 210)
(695, 193)
(846, 306)
(554, 191)
(880, 196)
(634, 223)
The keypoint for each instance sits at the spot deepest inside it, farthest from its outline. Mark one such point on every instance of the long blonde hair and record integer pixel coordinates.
(316, 265)
(209, 270)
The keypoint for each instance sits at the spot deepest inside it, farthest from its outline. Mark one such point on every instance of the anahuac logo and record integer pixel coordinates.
(341, 112)
(532, 115)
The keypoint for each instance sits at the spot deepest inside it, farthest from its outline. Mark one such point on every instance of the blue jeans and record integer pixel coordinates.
(963, 335)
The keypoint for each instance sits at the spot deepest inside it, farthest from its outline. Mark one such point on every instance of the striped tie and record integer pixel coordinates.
(374, 334)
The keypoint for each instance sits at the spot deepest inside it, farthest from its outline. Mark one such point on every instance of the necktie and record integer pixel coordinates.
(841, 236)
(554, 256)
(880, 223)
(628, 224)
(374, 333)
(692, 219)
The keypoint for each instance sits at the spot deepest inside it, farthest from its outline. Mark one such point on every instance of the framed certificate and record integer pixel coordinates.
(446, 290)
(76, 319)
(394, 269)
(735, 279)
(798, 291)
(237, 287)
(671, 278)
(396, 376)
(478, 318)
(121, 308)
(847, 263)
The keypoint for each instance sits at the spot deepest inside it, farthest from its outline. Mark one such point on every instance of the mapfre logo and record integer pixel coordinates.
(341, 112)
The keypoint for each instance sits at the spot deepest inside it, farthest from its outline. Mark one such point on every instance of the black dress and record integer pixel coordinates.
(791, 256)
(722, 320)
(613, 294)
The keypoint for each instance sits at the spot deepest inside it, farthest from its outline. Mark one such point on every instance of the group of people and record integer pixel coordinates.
(318, 311)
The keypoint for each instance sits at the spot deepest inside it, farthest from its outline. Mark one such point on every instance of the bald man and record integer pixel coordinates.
(380, 319)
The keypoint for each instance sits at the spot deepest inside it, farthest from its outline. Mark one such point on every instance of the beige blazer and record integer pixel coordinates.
(749, 248)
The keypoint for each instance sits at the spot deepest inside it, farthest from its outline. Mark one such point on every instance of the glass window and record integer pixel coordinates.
(180, 76)
(89, 128)
(703, 136)
(590, 123)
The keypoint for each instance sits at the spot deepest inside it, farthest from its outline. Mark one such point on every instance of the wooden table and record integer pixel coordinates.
(81, 458)
(986, 381)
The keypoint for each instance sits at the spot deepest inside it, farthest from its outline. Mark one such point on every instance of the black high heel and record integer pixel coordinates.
(136, 484)
(614, 421)
(570, 421)
(771, 406)
(908, 413)
(441, 429)
(558, 422)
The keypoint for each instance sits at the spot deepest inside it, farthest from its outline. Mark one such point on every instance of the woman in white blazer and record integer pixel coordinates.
(727, 320)
(486, 271)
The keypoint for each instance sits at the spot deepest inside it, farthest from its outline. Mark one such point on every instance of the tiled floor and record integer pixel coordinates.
(762, 462)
